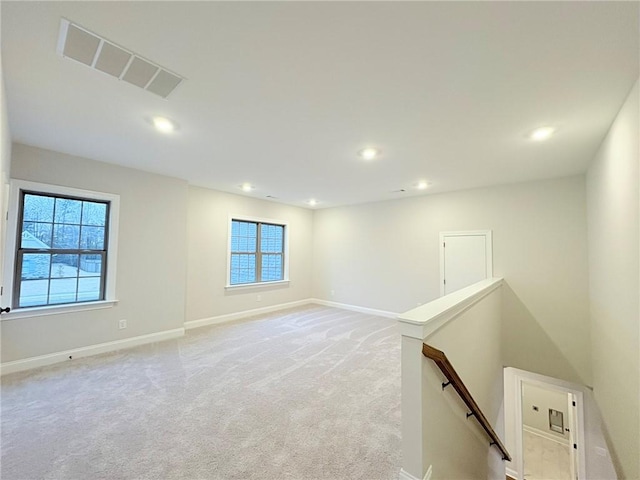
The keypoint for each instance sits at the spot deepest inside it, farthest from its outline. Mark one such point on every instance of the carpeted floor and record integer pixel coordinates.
(310, 393)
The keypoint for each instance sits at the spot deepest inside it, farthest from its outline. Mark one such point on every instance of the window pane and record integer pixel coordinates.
(243, 268)
(68, 211)
(88, 289)
(92, 238)
(243, 236)
(271, 268)
(64, 266)
(63, 290)
(94, 213)
(90, 265)
(66, 236)
(38, 208)
(33, 293)
(35, 265)
(36, 235)
(271, 238)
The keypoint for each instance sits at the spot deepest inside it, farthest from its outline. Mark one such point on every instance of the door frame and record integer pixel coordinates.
(468, 233)
(522, 376)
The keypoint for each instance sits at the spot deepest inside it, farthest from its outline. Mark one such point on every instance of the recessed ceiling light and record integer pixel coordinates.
(422, 185)
(313, 202)
(369, 153)
(163, 124)
(542, 133)
(246, 187)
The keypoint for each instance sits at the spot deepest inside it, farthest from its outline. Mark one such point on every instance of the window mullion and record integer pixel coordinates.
(259, 253)
(18, 282)
(103, 275)
(53, 230)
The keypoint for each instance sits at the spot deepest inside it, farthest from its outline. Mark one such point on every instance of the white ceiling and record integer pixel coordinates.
(283, 94)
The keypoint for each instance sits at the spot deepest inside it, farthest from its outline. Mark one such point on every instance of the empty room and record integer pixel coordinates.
(320, 240)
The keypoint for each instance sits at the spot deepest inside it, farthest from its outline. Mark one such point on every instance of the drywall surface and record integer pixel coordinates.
(150, 285)
(5, 138)
(613, 225)
(5, 161)
(208, 231)
(385, 255)
(544, 399)
(455, 446)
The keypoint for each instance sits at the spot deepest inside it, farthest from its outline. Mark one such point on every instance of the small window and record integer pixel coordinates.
(63, 246)
(62, 251)
(257, 252)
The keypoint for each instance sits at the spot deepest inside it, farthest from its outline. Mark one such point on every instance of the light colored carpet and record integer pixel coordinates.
(310, 393)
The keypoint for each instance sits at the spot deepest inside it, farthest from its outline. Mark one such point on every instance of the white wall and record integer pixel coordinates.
(151, 256)
(544, 399)
(5, 161)
(613, 233)
(453, 445)
(208, 228)
(385, 256)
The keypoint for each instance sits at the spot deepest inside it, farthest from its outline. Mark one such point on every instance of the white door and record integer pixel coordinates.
(465, 259)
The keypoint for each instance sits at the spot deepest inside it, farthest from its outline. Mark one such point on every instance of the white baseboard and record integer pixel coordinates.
(407, 476)
(229, 317)
(548, 436)
(355, 308)
(57, 357)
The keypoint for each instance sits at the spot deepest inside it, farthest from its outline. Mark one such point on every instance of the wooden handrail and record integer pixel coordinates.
(456, 382)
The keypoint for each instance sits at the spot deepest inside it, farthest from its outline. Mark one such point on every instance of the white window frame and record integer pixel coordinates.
(16, 187)
(285, 251)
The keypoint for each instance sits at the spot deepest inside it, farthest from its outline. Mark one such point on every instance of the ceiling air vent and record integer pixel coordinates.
(86, 47)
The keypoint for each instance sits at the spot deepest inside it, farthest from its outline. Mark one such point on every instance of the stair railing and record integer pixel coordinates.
(443, 363)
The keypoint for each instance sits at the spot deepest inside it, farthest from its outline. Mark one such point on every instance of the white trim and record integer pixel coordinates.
(285, 253)
(407, 476)
(241, 286)
(56, 309)
(229, 317)
(475, 233)
(12, 233)
(546, 435)
(427, 476)
(355, 308)
(58, 357)
(62, 36)
(423, 321)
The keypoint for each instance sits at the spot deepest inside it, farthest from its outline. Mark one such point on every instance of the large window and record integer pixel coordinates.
(257, 252)
(62, 251)
(63, 246)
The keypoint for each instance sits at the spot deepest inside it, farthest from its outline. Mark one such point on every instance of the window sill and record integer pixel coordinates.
(242, 286)
(56, 309)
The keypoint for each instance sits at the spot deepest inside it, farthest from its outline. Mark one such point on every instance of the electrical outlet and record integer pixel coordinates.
(259, 298)
(122, 324)
(333, 292)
